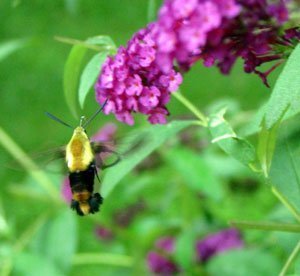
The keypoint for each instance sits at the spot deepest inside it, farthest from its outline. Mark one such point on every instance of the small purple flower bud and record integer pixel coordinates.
(166, 244)
(103, 233)
(159, 264)
(216, 243)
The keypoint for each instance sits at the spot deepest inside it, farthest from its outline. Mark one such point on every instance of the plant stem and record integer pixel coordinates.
(286, 203)
(268, 226)
(105, 258)
(290, 260)
(28, 164)
(191, 107)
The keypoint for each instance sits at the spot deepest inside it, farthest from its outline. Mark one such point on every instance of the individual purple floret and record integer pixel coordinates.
(133, 82)
(216, 243)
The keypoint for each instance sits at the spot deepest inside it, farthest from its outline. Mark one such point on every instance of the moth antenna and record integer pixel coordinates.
(51, 116)
(96, 113)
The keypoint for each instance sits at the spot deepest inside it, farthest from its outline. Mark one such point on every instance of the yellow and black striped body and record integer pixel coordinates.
(82, 171)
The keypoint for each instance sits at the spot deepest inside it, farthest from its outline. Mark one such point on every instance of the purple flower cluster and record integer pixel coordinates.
(132, 81)
(216, 243)
(254, 36)
(141, 76)
(183, 28)
(218, 32)
(160, 261)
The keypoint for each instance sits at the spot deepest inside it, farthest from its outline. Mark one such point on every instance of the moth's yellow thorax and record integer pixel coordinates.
(79, 153)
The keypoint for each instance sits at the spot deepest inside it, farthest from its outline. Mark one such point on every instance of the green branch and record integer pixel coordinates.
(32, 169)
(286, 203)
(105, 258)
(191, 107)
(290, 260)
(267, 226)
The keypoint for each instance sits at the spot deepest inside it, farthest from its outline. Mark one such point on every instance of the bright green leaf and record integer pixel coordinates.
(286, 93)
(284, 171)
(57, 240)
(185, 249)
(73, 68)
(245, 262)
(34, 265)
(71, 77)
(153, 137)
(8, 47)
(151, 12)
(89, 75)
(195, 171)
(266, 146)
(223, 134)
(101, 40)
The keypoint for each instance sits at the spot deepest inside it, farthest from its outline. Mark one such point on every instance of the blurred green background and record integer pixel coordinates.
(31, 83)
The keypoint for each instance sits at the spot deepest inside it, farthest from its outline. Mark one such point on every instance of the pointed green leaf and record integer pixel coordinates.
(223, 134)
(8, 47)
(153, 137)
(284, 172)
(71, 77)
(266, 146)
(73, 69)
(89, 75)
(286, 93)
(101, 40)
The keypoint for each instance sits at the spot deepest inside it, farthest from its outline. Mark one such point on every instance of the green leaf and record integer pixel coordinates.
(284, 171)
(73, 68)
(57, 240)
(245, 262)
(8, 47)
(34, 265)
(185, 248)
(89, 75)
(223, 134)
(101, 40)
(286, 93)
(71, 77)
(266, 146)
(195, 171)
(153, 137)
(151, 12)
